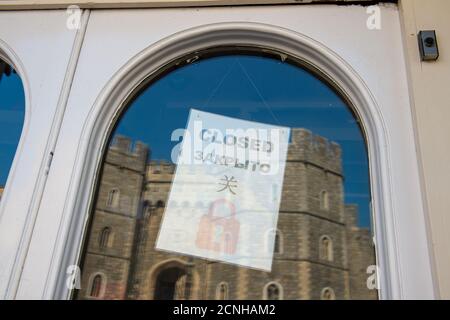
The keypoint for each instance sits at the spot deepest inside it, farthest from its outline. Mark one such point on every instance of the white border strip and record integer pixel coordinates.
(103, 4)
(21, 254)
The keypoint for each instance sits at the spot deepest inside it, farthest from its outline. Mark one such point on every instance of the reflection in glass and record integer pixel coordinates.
(328, 294)
(326, 248)
(97, 283)
(222, 291)
(104, 238)
(323, 241)
(12, 111)
(273, 291)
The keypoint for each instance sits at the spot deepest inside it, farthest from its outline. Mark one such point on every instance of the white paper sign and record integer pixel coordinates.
(225, 195)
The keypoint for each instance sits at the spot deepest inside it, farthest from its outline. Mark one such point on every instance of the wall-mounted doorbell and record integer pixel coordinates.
(428, 45)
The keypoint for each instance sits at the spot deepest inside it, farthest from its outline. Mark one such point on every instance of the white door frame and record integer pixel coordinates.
(41, 63)
(402, 244)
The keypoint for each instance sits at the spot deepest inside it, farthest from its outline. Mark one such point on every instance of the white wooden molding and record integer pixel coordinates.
(102, 4)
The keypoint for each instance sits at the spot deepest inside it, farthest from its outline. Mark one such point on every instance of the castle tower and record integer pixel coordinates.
(311, 212)
(110, 245)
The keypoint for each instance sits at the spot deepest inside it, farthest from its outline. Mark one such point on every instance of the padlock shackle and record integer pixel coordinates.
(230, 205)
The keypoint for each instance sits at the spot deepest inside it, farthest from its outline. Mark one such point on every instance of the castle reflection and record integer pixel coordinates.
(320, 251)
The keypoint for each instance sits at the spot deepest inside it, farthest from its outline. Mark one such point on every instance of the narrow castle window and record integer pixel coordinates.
(273, 291)
(324, 200)
(113, 198)
(105, 238)
(326, 248)
(96, 286)
(160, 204)
(278, 241)
(277, 246)
(327, 294)
(222, 291)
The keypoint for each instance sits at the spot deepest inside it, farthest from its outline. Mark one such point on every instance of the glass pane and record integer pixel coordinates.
(12, 112)
(322, 244)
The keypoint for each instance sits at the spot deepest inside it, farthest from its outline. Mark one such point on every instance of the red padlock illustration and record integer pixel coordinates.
(219, 234)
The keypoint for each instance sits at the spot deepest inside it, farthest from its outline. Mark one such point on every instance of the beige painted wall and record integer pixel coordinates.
(430, 94)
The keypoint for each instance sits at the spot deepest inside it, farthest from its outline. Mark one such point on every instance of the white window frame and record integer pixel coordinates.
(403, 255)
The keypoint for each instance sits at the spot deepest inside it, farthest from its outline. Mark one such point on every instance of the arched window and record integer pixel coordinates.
(12, 114)
(222, 291)
(105, 238)
(273, 291)
(113, 198)
(241, 85)
(324, 200)
(327, 294)
(97, 287)
(326, 248)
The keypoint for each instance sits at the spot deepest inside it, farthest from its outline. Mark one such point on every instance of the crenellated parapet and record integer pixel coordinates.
(160, 170)
(310, 148)
(122, 152)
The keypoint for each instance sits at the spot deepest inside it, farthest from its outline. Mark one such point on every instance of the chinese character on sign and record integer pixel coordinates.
(228, 183)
